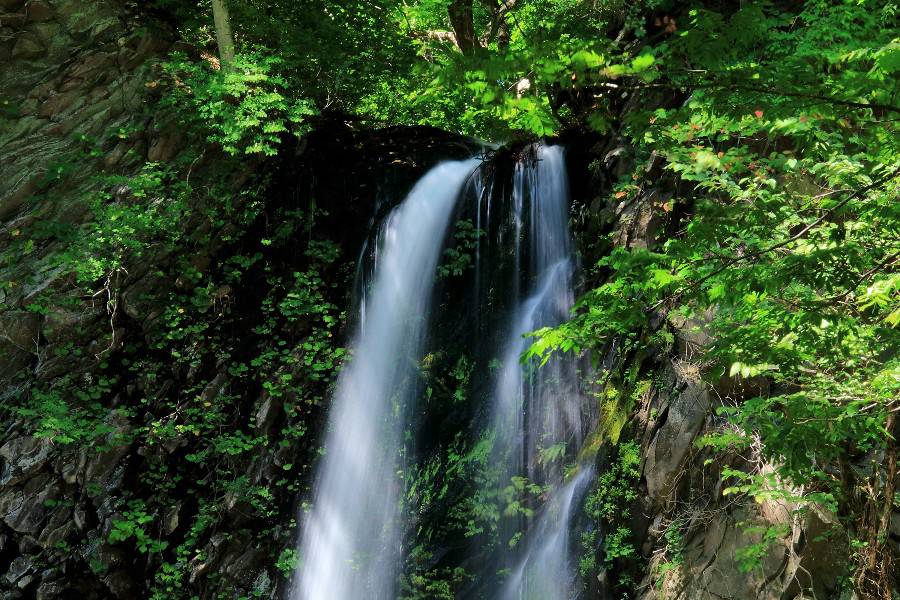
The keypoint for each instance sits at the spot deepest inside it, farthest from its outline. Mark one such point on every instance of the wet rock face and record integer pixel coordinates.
(682, 419)
(22, 457)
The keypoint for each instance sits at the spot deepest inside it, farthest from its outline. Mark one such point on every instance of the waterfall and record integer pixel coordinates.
(350, 546)
(537, 413)
(546, 572)
(351, 543)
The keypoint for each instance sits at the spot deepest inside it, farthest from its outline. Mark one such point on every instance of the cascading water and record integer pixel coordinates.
(350, 546)
(538, 408)
(523, 281)
(546, 571)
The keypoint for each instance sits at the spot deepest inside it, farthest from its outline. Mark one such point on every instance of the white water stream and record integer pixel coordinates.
(350, 546)
(351, 543)
(538, 408)
(548, 571)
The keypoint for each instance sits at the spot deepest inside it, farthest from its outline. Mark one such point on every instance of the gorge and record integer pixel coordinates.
(535, 300)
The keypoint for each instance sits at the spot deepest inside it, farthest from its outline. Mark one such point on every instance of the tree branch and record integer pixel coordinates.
(731, 261)
(498, 21)
(758, 89)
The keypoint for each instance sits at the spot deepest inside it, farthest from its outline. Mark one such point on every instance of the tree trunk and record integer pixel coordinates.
(461, 19)
(223, 33)
(884, 524)
(499, 27)
(875, 572)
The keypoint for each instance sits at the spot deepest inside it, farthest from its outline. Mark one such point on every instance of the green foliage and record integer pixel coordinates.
(517, 85)
(182, 383)
(288, 561)
(533, 67)
(615, 487)
(552, 454)
(74, 414)
(130, 215)
(774, 123)
(673, 537)
(133, 525)
(171, 576)
(397, 63)
(609, 508)
(616, 545)
(295, 374)
(750, 556)
(456, 483)
(245, 108)
(430, 485)
(766, 487)
(433, 585)
(518, 497)
(785, 152)
(461, 373)
(460, 256)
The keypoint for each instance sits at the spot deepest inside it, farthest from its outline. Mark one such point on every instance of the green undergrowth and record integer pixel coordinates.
(212, 403)
(608, 543)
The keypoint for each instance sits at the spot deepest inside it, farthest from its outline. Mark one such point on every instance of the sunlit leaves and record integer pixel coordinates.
(642, 63)
(884, 294)
(790, 249)
(245, 109)
(746, 371)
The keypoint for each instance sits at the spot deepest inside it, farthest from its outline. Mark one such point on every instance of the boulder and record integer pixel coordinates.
(684, 417)
(817, 564)
(19, 334)
(710, 570)
(29, 47)
(21, 457)
(19, 568)
(164, 147)
(25, 509)
(57, 104)
(268, 411)
(38, 11)
(11, 5)
(49, 590)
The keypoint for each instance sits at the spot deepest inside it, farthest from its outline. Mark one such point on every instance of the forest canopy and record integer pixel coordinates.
(503, 68)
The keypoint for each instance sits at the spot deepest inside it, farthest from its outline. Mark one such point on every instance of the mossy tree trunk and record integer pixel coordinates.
(223, 33)
(462, 21)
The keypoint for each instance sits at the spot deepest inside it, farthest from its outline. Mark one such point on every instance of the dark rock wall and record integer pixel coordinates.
(69, 71)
